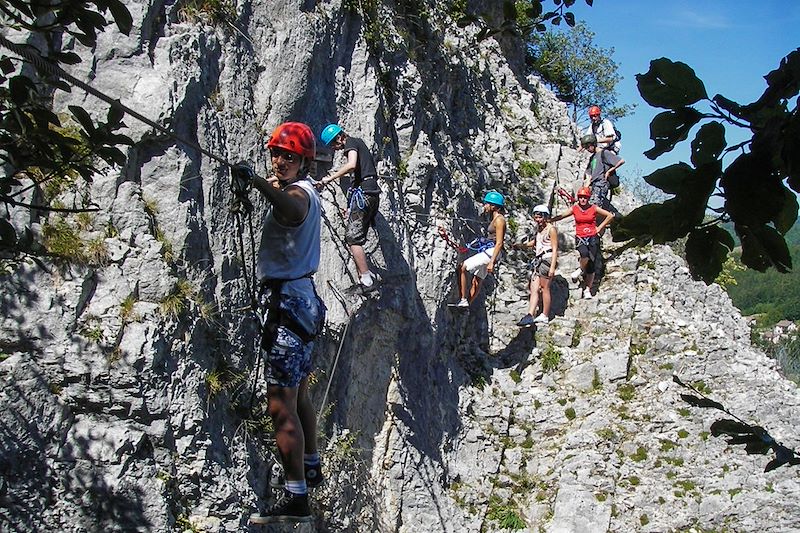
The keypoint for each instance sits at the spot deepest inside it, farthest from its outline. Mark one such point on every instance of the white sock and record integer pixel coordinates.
(366, 279)
(297, 487)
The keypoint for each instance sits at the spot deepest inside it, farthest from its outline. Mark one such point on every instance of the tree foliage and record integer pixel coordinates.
(773, 295)
(519, 18)
(37, 149)
(755, 185)
(579, 71)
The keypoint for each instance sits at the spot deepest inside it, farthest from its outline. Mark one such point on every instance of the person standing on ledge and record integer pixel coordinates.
(545, 244)
(603, 129)
(587, 239)
(291, 313)
(602, 164)
(363, 196)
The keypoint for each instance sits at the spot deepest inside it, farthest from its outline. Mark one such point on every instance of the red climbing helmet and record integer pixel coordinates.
(585, 191)
(294, 137)
(594, 111)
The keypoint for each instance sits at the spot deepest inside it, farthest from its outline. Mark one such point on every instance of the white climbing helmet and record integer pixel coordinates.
(541, 209)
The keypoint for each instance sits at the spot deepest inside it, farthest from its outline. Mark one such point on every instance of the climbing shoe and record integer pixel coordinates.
(525, 321)
(314, 477)
(586, 293)
(290, 508)
(541, 319)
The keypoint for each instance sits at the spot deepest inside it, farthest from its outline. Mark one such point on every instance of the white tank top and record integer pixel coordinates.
(288, 252)
(544, 248)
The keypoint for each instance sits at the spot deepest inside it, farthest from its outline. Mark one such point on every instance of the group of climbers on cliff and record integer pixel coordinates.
(291, 313)
(593, 204)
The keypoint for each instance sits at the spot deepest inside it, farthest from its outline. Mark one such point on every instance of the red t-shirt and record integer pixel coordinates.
(585, 221)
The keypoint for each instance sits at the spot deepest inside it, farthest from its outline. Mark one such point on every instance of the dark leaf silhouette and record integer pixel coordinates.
(708, 144)
(701, 402)
(671, 127)
(706, 250)
(763, 247)
(671, 179)
(8, 237)
(670, 84)
(728, 105)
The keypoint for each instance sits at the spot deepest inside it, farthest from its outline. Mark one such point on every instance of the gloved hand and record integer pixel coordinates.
(242, 176)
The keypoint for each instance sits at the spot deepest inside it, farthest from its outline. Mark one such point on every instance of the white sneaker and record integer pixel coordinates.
(541, 319)
(577, 275)
(462, 303)
(586, 294)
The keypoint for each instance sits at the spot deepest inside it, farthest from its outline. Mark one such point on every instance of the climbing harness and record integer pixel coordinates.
(355, 199)
(479, 244)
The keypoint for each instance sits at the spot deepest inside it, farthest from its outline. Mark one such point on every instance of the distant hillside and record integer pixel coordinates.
(775, 295)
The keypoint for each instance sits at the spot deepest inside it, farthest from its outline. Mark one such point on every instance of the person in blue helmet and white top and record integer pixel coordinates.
(483, 262)
(363, 196)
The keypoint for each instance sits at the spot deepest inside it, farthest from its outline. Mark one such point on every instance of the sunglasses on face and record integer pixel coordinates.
(584, 197)
(289, 157)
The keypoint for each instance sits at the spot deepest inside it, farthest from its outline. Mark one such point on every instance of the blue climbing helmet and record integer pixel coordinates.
(329, 133)
(494, 198)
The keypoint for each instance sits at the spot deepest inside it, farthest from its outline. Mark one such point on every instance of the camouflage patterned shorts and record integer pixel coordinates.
(296, 321)
(289, 359)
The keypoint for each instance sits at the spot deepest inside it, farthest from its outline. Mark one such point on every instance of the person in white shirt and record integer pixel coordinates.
(603, 129)
(545, 244)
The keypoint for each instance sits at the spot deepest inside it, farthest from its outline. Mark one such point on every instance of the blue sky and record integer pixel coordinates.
(730, 44)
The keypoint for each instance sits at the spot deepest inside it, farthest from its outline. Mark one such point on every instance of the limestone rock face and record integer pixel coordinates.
(134, 400)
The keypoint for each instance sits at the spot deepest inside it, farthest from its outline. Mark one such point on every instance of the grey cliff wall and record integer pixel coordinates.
(131, 395)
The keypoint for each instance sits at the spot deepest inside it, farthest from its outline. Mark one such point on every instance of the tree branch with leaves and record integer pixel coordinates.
(756, 187)
(580, 72)
(36, 146)
(519, 19)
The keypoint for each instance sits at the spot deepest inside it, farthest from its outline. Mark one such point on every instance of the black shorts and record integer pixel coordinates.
(588, 247)
(360, 220)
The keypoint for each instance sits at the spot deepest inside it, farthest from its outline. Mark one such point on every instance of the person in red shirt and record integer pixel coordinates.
(587, 239)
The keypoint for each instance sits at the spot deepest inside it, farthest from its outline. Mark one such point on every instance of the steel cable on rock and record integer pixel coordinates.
(42, 64)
